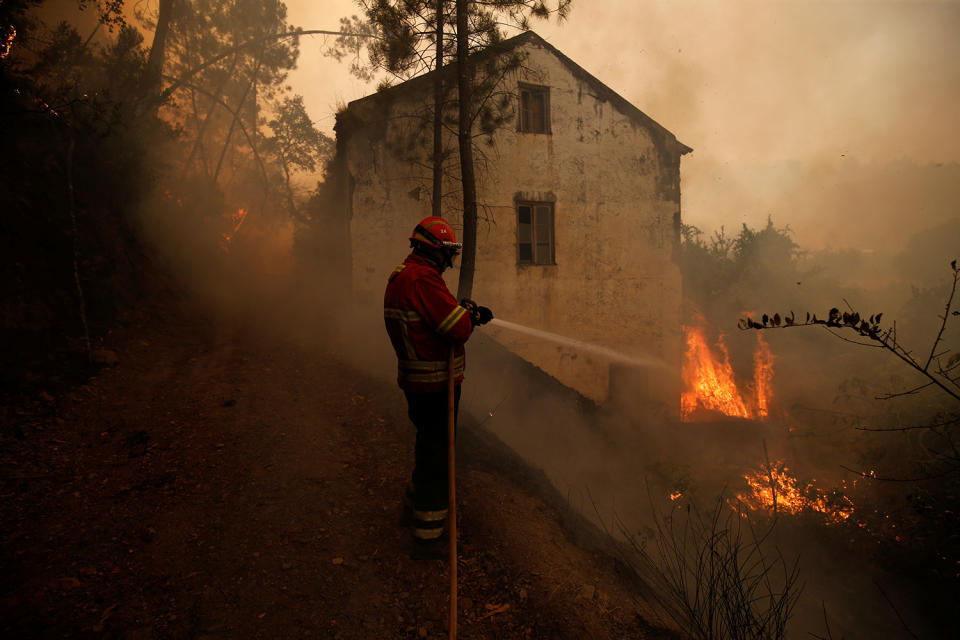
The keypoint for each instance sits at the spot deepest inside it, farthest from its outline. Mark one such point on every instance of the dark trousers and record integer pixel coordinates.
(428, 412)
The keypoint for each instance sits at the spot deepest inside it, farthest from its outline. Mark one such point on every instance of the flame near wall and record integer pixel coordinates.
(710, 388)
(710, 384)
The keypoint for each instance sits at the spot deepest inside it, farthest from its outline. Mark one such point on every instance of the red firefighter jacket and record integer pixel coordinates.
(423, 319)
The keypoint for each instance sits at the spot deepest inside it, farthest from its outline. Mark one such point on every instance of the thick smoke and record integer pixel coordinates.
(837, 120)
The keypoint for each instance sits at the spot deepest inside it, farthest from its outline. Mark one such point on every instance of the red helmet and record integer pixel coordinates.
(437, 233)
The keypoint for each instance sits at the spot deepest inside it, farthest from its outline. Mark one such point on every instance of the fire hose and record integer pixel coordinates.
(452, 494)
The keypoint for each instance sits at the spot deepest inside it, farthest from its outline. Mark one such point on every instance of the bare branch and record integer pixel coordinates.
(896, 611)
(908, 392)
(946, 314)
(176, 83)
(914, 427)
(837, 335)
(869, 328)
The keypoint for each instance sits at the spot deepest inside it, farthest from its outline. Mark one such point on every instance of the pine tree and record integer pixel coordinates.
(412, 40)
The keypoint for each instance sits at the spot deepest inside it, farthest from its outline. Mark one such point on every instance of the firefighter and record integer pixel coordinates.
(424, 321)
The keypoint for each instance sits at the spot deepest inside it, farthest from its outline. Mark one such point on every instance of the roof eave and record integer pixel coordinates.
(531, 37)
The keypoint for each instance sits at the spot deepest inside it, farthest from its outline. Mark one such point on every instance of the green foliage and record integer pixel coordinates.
(939, 367)
(296, 144)
(721, 272)
(227, 66)
(80, 118)
(295, 140)
(15, 21)
(78, 144)
(110, 11)
(756, 251)
(402, 45)
(405, 29)
(205, 29)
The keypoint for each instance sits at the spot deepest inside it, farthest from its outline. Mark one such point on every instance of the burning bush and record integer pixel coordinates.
(710, 384)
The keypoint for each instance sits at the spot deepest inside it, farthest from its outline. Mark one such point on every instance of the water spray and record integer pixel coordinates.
(604, 352)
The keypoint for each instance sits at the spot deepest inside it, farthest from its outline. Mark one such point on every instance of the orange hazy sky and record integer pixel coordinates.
(840, 118)
(764, 91)
(758, 80)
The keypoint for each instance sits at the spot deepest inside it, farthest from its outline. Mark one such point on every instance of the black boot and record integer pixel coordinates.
(436, 549)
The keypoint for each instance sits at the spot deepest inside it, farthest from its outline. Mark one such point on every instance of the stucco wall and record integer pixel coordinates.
(615, 188)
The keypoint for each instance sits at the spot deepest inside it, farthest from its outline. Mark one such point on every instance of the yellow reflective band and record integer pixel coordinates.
(396, 272)
(424, 365)
(452, 319)
(428, 534)
(439, 376)
(404, 317)
(428, 366)
(407, 343)
(430, 516)
(400, 314)
(429, 371)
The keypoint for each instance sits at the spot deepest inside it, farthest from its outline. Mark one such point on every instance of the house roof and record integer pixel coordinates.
(603, 92)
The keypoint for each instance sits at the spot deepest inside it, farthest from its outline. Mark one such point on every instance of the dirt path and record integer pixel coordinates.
(212, 485)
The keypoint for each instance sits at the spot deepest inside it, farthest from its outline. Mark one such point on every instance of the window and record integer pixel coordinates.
(534, 109)
(535, 233)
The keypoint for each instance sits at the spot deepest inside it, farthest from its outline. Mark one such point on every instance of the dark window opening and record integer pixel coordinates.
(534, 109)
(535, 243)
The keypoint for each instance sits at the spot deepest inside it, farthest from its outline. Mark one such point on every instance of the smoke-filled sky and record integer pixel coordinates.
(809, 111)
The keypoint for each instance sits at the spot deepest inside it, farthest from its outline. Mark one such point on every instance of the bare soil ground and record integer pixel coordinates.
(215, 485)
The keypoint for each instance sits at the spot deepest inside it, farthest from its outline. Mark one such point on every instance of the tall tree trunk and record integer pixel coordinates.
(237, 115)
(438, 116)
(465, 143)
(294, 213)
(202, 129)
(158, 48)
(71, 205)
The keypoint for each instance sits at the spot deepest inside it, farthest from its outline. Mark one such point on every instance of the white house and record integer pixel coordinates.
(579, 227)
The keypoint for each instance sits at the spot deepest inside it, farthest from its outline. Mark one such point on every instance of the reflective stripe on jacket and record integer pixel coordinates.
(423, 319)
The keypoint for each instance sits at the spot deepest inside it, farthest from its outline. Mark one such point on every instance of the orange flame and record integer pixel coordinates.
(6, 41)
(772, 488)
(709, 380)
(168, 195)
(763, 376)
(236, 218)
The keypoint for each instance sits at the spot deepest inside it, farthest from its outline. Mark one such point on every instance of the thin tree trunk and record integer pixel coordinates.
(438, 116)
(176, 83)
(198, 143)
(250, 139)
(158, 48)
(202, 129)
(71, 205)
(290, 202)
(465, 143)
(236, 116)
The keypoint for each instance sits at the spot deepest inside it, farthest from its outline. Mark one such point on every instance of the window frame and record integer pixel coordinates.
(532, 205)
(547, 120)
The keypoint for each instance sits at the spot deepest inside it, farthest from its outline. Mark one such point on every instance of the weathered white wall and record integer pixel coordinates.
(616, 197)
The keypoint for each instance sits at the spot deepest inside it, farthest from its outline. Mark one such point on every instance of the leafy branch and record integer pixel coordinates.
(939, 367)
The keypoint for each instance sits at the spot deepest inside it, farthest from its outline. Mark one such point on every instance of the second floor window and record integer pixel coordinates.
(534, 109)
(535, 233)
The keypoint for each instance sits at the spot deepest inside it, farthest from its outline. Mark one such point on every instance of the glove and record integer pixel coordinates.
(484, 315)
(478, 315)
